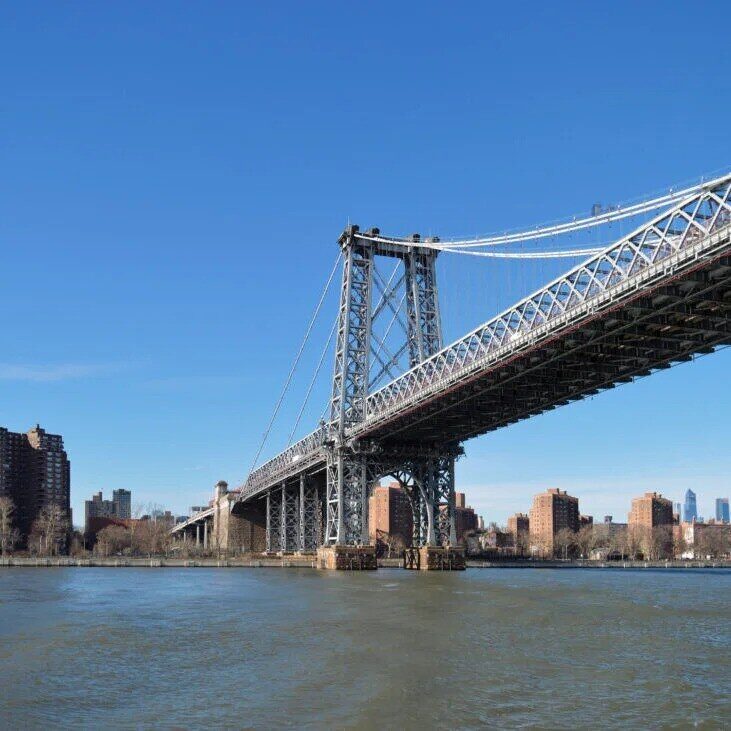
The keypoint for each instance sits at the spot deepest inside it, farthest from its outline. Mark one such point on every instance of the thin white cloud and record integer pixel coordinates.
(49, 373)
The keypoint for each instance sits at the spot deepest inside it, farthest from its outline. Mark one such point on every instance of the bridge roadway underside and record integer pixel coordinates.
(687, 315)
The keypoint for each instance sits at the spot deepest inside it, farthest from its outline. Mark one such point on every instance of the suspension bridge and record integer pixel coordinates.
(402, 403)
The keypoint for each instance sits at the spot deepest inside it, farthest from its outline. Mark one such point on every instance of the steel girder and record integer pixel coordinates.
(309, 518)
(429, 484)
(424, 333)
(655, 297)
(347, 469)
(274, 520)
(647, 250)
(290, 527)
(293, 520)
(347, 498)
(353, 344)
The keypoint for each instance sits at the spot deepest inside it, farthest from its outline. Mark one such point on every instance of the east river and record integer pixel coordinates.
(272, 648)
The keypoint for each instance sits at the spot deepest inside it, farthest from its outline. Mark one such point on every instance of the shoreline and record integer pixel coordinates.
(309, 561)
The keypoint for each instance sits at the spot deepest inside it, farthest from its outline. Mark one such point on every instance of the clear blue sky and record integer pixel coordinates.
(173, 178)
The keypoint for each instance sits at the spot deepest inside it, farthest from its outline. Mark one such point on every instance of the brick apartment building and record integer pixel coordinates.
(551, 512)
(389, 514)
(119, 507)
(649, 514)
(518, 524)
(34, 472)
(465, 518)
(651, 510)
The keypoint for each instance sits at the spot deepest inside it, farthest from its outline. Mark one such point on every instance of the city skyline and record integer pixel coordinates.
(161, 366)
(495, 503)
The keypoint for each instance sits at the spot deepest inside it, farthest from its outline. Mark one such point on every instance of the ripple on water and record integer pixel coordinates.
(266, 649)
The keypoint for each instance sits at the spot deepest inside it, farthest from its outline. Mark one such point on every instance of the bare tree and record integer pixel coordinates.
(9, 535)
(680, 545)
(151, 537)
(50, 530)
(522, 543)
(617, 543)
(633, 538)
(564, 542)
(713, 543)
(78, 544)
(390, 543)
(112, 540)
(585, 540)
(656, 542)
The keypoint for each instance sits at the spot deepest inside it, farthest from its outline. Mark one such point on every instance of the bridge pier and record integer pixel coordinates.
(347, 558)
(435, 558)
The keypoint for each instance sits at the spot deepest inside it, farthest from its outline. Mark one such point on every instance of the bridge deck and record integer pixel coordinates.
(656, 321)
(655, 298)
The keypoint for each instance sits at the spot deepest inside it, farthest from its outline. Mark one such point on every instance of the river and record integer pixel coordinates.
(274, 648)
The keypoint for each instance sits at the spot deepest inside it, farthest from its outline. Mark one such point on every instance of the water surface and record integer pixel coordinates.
(272, 648)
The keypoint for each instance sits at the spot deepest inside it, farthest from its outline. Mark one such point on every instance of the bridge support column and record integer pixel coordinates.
(429, 483)
(309, 516)
(274, 520)
(347, 499)
(290, 528)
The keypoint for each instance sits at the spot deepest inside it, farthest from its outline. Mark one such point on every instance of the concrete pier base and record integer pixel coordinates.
(347, 558)
(434, 558)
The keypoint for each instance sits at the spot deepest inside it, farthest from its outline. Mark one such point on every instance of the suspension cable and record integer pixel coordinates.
(294, 366)
(560, 254)
(540, 232)
(314, 378)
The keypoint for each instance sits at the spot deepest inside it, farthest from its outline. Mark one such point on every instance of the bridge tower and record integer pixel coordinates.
(425, 471)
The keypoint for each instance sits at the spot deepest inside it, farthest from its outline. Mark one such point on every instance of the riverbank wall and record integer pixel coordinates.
(310, 561)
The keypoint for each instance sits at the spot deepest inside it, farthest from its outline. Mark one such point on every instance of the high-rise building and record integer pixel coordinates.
(389, 514)
(678, 510)
(465, 518)
(518, 525)
(551, 512)
(120, 507)
(97, 507)
(690, 510)
(651, 510)
(519, 530)
(722, 510)
(34, 473)
(651, 523)
(122, 500)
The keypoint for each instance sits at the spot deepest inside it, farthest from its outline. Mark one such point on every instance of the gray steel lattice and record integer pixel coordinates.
(290, 528)
(654, 298)
(274, 520)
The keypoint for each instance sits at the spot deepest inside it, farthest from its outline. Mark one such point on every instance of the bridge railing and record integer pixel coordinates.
(673, 231)
(607, 274)
(299, 454)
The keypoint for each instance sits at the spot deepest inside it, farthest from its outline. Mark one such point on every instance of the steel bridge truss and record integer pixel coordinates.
(293, 517)
(350, 468)
(655, 297)
(658, 241)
